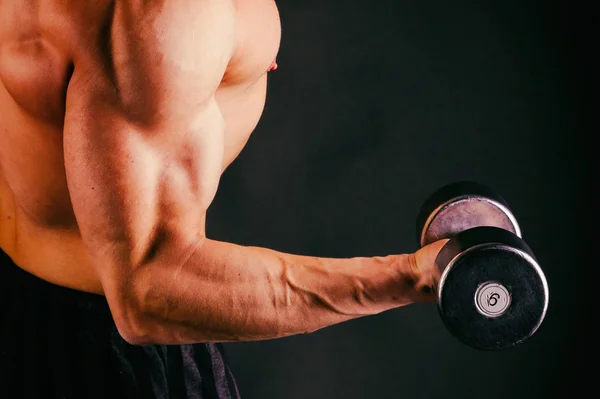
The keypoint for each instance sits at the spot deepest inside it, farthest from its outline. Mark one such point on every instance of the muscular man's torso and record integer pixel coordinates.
(38, 229)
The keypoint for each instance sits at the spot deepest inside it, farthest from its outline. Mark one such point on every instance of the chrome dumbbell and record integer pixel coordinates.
(492, 292)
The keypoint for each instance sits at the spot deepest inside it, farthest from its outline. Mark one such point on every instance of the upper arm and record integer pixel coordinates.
(143, 135)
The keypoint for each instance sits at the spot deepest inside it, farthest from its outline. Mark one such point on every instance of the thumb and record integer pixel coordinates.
(426, 271)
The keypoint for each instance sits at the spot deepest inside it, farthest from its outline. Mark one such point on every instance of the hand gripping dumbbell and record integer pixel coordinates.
(492, 292)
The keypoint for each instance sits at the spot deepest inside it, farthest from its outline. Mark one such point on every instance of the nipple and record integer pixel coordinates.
(273, 66)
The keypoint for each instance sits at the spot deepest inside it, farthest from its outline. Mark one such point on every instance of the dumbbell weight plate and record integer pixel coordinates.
(492, 293)
(459, 206)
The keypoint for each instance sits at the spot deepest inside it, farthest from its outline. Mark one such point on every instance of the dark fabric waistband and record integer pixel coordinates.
(57, 342)
(12, 276)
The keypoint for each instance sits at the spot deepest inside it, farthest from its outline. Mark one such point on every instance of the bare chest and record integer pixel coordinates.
(35, 67)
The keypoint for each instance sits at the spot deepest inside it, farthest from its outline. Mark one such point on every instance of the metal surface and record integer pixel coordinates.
(492, 299)
(459, 206)
(465, 212)
(492, 293)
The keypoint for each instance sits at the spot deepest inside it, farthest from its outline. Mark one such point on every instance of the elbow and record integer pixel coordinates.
(134, 321)
(133, 324)
(134, 331)
(145, 303)
(132, 338)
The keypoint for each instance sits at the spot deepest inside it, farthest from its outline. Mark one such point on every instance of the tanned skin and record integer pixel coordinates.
(117, 119)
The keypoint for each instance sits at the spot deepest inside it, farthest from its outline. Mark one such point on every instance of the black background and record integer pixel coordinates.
(374, 106)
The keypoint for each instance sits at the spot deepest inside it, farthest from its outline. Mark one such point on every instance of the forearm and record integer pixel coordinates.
(226, 292)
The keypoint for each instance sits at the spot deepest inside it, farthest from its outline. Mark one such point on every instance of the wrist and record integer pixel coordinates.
(416, 279)
(390, 282)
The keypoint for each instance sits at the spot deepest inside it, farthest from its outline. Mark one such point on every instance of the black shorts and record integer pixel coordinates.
(56, 342)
